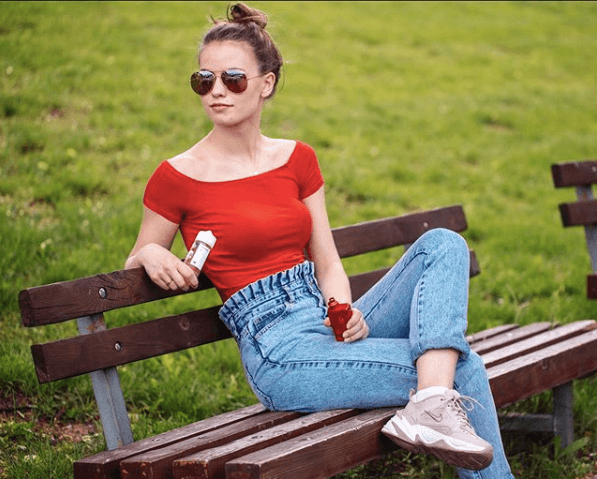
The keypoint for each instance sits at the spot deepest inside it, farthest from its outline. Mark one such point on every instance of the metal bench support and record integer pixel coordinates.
(563, 413)
(108, 393)
(560, 423)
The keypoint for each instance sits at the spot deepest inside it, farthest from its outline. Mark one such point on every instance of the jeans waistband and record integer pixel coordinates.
(232, 311)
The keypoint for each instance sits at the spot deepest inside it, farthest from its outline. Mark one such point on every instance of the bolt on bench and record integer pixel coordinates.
(253, 442)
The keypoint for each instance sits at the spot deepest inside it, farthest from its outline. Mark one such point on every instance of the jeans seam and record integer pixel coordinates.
(419, 291)
(396, 276)
(336, 364)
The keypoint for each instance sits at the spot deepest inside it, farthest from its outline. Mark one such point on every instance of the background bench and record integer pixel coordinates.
(253, 442)
(583, 212)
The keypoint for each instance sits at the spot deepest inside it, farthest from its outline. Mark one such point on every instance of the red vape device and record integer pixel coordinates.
(339, 314)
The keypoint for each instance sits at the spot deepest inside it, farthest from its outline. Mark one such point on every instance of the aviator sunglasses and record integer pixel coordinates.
(235, 80)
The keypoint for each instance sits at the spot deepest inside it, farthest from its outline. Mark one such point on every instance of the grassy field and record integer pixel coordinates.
(409, 105)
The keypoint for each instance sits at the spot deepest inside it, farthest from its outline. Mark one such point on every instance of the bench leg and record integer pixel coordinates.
(563, 413)
(108, 393)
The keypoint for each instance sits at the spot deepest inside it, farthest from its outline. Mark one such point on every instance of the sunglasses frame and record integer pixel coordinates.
(227, 78)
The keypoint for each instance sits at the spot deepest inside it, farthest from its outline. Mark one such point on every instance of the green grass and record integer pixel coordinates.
(409, 106)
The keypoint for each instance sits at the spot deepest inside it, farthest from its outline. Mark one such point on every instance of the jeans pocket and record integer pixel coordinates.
(266, 316)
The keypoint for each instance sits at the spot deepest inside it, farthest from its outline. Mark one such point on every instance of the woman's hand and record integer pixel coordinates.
(356, 328)
(166, 269)
(152, 251)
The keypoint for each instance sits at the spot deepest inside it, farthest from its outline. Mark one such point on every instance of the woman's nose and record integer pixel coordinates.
(219, 88)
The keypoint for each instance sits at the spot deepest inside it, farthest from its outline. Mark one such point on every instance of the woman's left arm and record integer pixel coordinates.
(329, 271)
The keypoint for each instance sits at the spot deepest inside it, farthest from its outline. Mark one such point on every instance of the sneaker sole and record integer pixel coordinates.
(440, 449)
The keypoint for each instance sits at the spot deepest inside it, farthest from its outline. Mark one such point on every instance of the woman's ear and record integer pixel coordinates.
(268, 85)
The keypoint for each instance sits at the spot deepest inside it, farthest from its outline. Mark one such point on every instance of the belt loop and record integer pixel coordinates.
(290, 297)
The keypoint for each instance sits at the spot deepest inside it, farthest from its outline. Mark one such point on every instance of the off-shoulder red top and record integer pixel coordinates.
(261, 224)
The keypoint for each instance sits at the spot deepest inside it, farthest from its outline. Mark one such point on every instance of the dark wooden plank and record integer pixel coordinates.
(490, 333)
(114, 347)
(106, 465)
(542, 370)
(509, 337)
(592, 286)
(57, 302)
(210, 463)
(536, 342)
(579, 173)
(319, 454)
(157, 464)
(579, 213)
(385, 233)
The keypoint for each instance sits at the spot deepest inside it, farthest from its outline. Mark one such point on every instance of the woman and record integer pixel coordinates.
(263, 199)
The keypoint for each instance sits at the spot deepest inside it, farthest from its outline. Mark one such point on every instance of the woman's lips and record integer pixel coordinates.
(220, 106)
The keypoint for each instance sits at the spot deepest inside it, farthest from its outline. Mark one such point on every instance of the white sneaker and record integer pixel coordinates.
(439, 425)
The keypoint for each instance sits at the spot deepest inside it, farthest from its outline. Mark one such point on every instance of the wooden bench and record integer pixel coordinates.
(581, 175)
(253, 442)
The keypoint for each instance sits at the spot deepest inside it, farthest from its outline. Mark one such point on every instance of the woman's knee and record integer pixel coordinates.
(445, 240)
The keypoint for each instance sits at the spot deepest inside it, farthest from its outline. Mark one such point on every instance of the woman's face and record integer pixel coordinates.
(223, 106)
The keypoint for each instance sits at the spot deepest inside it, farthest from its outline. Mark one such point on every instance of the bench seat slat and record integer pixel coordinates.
(157, 464)
(106, 464)
(543, 370)
(489, 333)
(579, 213)
(510, 337)
(578, 173)
(211, 462)
(320, 454)
(536, 342)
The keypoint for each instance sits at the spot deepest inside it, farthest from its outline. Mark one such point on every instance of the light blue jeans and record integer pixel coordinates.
(293, 362)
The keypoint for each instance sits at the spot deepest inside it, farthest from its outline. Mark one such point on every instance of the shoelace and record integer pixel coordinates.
(460, 405)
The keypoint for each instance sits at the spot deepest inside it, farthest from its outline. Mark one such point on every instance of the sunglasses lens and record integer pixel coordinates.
(235, 81)
(202, 82)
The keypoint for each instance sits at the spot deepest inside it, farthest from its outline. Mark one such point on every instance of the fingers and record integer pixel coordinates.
(357, 327)
(177, 277)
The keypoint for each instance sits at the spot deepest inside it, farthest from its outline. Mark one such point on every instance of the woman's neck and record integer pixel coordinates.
(243, 146)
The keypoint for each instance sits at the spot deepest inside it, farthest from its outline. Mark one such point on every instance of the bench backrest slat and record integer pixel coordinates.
(386, 233)
(579, 213)
(118, 346)
(57, 302)
(578, 173)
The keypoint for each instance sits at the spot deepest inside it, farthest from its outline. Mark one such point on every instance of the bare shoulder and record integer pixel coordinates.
(189, 162)
(279, 150)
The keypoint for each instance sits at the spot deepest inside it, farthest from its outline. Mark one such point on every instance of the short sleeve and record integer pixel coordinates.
(164, 194)
(307, 171)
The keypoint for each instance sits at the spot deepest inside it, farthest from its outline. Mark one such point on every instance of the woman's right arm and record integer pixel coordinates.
(152, 251)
